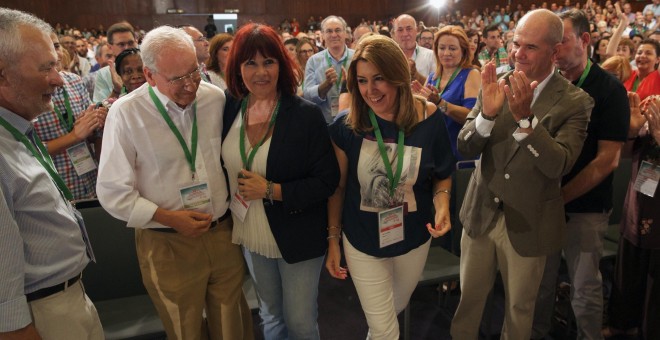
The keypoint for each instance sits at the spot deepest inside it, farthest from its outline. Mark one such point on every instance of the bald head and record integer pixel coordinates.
(405, 32)
(536, 43)
(543, 18)
(403, 19)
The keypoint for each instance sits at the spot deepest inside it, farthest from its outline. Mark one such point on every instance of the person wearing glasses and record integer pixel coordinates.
(201, 50)
(426, 39)
(305, 48)
(160, 172)
(327, 69)
(281, 170)
(108, 83)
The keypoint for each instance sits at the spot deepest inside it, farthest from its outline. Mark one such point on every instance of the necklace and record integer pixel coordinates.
(263, 127)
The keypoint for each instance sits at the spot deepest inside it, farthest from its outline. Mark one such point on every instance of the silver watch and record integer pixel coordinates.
(526, 122)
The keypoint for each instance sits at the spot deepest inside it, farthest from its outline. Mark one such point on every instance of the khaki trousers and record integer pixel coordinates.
(185, 276)
(480, 259)
(68, 314)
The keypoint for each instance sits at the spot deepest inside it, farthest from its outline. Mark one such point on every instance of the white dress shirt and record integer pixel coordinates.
(142, 164)
(424, 60)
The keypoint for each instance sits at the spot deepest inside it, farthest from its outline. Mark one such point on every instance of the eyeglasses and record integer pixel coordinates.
(127, 44)
(200, 39)
(426, 38)
(304, 52)
(336, 30)
(194, 76)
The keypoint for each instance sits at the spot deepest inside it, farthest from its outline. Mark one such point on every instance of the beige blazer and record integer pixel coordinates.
(526, 176)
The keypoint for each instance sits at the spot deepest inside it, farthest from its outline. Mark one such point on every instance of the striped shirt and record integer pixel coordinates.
(49, 127)
(41, 243)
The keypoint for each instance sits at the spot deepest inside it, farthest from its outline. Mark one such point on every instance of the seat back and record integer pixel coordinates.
(116, 273)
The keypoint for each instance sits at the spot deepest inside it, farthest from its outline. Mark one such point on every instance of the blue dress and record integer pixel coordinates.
(454, 94)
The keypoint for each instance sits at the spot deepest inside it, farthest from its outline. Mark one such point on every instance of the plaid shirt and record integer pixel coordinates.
(49, 127)
(500, 59)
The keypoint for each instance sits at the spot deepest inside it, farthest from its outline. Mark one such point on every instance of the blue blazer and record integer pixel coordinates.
(302, 161)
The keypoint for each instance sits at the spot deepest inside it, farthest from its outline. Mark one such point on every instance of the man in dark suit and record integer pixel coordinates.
(528, 127)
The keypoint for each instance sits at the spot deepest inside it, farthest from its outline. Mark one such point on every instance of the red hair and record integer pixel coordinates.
(249, 40)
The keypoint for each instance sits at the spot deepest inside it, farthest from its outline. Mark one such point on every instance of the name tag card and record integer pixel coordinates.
(647, 179)
(81, 159)
(334, 104)
(239, 206)
(197, 197)
(390, 226)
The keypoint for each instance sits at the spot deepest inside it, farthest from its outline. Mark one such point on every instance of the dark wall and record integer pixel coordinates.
(150, 13)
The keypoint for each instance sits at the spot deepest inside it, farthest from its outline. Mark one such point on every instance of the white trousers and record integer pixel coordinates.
(384, 286)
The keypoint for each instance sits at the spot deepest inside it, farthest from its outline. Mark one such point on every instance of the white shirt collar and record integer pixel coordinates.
(539, 88)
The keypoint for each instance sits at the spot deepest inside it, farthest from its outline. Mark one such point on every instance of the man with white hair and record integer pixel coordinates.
(528, 128)
(420, 59)
(160, 171)
(326, 70)
(43, 242)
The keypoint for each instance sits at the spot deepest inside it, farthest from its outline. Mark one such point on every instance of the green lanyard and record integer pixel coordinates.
(636, 83)
(453, 76)
(327, 55)
(392, 178)
(191, 155)
(42, 157)
(247, 160)
(68, 123)
(584, 74)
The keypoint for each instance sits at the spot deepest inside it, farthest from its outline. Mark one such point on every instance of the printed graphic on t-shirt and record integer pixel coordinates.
(374, 185)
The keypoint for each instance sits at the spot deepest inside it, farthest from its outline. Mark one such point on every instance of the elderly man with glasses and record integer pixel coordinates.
(160, 172)
(326, 70)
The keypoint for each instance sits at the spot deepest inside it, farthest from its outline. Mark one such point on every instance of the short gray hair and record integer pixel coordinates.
(160, 39)
(333, 17)
(11, 44)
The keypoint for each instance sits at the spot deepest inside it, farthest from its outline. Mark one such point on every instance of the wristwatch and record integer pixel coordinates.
(526, 122)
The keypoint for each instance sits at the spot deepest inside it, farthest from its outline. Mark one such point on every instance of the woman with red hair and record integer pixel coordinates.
(281, 171)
